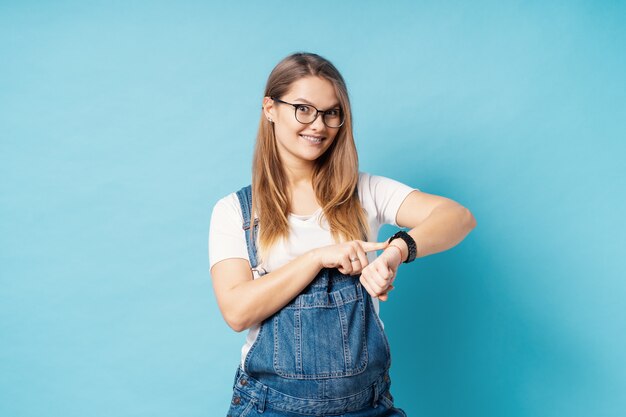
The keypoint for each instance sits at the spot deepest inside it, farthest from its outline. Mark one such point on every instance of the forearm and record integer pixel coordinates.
(443, 229)
(258, 299)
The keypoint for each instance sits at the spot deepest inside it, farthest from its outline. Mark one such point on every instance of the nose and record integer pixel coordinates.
(318, 123)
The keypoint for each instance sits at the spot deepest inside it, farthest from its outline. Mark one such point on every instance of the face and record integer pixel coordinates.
(303, 143)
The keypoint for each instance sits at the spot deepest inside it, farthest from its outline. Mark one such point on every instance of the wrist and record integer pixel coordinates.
(315, 257)
(398, 250)
(406, 243)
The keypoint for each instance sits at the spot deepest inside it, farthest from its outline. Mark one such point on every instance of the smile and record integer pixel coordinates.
(312, 139)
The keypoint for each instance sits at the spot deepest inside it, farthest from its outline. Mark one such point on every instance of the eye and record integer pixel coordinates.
(333, 112)
(303, 108)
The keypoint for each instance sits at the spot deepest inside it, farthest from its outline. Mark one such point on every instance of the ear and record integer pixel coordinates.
(268, 108)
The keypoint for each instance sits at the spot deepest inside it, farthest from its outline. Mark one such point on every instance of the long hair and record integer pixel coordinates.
(336, 172)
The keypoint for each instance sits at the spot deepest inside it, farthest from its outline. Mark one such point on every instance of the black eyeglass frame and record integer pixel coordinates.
(324, 112)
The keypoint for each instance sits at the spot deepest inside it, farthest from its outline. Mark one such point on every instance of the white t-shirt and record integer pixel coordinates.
(381, 198)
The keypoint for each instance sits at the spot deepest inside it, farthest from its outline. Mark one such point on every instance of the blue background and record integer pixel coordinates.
(123, 122)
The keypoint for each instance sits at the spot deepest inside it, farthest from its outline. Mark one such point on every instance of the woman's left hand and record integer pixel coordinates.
(378, 276)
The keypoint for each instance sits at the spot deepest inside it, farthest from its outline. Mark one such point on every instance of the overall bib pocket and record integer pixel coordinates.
(322, 335)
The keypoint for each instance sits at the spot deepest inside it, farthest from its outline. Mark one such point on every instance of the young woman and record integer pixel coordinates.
(302, 273)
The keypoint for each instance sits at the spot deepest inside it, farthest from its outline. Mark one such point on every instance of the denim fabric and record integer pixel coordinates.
(323, 354)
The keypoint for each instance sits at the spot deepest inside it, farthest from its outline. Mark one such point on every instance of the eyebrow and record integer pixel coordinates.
(334, 106)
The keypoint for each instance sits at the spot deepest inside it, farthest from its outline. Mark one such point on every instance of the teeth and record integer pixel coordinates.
(311, 138)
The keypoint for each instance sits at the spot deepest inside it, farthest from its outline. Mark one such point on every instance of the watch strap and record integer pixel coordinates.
(410, 243)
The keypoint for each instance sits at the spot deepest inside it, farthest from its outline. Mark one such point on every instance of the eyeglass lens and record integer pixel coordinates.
(307, 114)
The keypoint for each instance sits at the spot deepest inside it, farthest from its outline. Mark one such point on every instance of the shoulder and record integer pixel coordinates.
(370, 184)
(229, 207)
(365, 179)
(382, 196)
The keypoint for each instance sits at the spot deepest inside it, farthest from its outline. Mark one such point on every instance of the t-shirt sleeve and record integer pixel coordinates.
(226, 236)
(387, 195)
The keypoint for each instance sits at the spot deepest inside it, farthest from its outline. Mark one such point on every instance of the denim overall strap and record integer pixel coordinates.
(245, 201)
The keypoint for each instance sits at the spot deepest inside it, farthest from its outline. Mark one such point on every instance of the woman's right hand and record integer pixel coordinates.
(349, 257)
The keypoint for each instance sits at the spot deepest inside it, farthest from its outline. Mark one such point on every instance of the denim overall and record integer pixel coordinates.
(323, 354)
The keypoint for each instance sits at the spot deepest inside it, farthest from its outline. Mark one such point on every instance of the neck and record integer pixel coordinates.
(299, 175)
(299, 172)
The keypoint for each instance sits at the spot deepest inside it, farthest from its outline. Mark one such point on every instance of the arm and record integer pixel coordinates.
(437, 224)
(244, 301)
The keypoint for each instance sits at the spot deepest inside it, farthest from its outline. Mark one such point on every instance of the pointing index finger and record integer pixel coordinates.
(373, 246)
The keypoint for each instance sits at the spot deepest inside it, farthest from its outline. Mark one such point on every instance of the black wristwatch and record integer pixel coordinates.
(409, 242)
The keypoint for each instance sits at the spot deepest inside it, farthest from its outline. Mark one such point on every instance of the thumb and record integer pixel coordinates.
(385, 296)
(373, 246)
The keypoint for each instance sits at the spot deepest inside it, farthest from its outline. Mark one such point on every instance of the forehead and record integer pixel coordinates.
(316, 90)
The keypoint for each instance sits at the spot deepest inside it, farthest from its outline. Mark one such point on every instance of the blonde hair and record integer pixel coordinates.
(335, 175)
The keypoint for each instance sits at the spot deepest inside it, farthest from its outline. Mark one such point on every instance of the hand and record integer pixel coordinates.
(377, 277)
(349, 257)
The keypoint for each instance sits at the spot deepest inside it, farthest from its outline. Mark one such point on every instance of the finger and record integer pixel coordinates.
(373, 246)
(385, 296)
(358, 258)
(381, 275)
(363, 261)
(373, 284)
(356, 266)
(371, 276)
(346, 264)
(366, 285)
(358, 261)
(386, 272)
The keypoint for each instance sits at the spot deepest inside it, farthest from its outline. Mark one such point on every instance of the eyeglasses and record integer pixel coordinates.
(307, 114)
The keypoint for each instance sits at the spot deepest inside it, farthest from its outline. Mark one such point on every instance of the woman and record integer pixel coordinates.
(303, 274)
